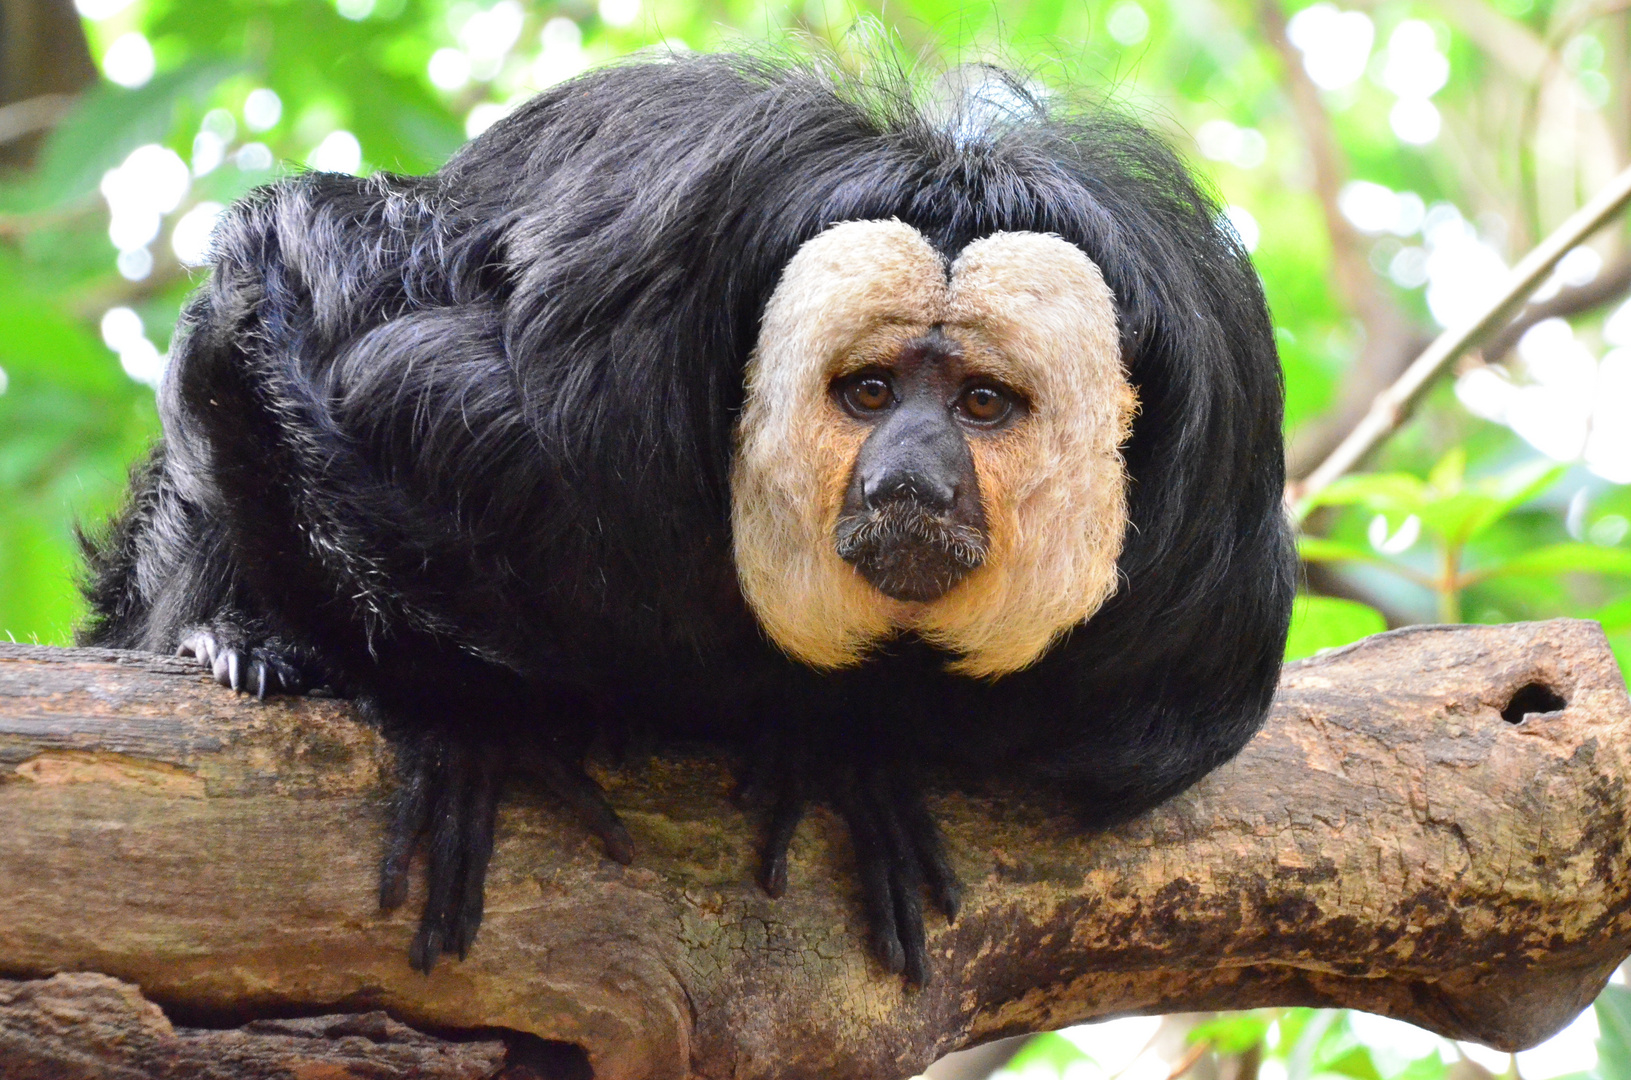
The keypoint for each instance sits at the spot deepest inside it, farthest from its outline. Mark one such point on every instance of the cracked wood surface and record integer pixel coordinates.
(1390, 842)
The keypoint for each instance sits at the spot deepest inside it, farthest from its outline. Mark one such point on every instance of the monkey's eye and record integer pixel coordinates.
(867, 392)
(984, 403)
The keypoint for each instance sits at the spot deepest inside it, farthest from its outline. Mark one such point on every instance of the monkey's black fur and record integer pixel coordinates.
(459, 446)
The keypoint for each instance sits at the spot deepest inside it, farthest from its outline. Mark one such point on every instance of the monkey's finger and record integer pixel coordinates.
(480, 814)
(408, 821)
(909, 925)
(925, 839)
(426, 946)
(201, 646)
(279, 676)
(579, 791)
(872, 863)
(784, 820)
(906, 877)
(445, 866)
(228, 668)
(753, 778)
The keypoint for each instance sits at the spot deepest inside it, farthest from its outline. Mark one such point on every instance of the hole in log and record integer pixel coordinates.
(1533, 698)
(532, 1058)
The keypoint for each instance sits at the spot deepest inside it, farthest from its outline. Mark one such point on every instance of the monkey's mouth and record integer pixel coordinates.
(907, 552)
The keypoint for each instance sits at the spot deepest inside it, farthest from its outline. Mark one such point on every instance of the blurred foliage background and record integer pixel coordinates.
(1384, 160)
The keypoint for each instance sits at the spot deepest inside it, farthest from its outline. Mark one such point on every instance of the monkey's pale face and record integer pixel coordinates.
(931, 449)
(913, 523)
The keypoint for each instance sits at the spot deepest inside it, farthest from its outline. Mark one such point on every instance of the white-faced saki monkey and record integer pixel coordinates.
(725, 399)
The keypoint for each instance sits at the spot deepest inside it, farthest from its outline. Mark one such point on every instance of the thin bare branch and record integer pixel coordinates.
(1610, 285)
(1519, 49)
(35, 114)
(1393, 404)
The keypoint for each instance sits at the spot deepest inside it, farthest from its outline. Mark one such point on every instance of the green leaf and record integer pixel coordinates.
(1448, 475)
(37, 339)
(1453, 516)
(1448, 507)
(1325, 622)
(1315, 1036)
(1565, 559)
(1318, 549)
(1232, 1033)
(1355, 1062)
(38, 601)
(1509, 491)
(1620, 643)
(1613, 1033)
(110, 122)
(1049, 1049)
(1614, 615)
(1379, 491)
(1431, 1067)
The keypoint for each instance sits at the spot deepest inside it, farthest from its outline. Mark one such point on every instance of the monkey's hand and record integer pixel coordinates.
(898, 850)
(449, 800)
(243, 661)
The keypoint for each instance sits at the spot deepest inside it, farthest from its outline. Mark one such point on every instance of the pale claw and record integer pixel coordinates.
(201, 647)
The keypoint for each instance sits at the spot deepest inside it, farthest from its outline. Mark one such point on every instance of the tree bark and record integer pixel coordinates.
(1390, 842)
(44, 61)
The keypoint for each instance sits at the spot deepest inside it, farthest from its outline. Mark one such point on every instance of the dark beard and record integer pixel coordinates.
(908, 553)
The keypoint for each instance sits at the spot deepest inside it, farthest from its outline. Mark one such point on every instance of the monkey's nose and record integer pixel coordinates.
(933, 493)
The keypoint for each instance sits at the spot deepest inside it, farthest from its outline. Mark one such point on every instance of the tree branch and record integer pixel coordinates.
(1610, 285)
(1389, 842)
(36, 114)
(43, 53)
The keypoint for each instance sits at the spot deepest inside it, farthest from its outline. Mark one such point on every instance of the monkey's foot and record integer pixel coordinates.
(449, 799)
(898, 850)
(259, 668)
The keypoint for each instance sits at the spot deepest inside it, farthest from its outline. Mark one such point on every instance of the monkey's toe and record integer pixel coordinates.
(576, 788)
(201, 645)
(256, 668)
(784, 820)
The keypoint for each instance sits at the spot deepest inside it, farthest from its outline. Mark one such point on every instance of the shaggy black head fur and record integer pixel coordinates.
(460, 446)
